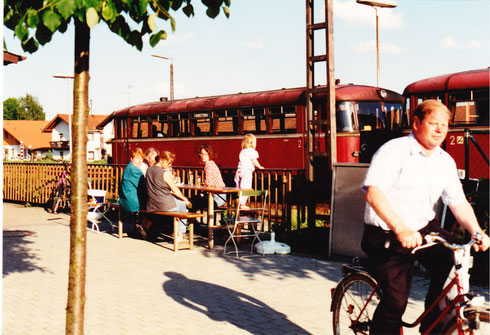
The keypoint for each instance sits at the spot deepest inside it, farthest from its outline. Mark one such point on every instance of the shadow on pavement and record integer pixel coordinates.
(17, 256)
(222, 304)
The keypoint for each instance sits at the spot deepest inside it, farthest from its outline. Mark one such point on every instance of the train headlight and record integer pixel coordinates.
(382, 94)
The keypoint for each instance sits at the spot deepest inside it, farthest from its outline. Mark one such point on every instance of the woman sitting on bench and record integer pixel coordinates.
(163, 193)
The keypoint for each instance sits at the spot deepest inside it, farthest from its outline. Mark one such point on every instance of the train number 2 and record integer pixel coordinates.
(453, 140)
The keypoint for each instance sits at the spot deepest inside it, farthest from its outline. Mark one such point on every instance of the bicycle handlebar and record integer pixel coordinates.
(434, 238)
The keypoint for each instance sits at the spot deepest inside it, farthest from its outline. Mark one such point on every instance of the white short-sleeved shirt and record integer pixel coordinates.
(245, 158)
(412, 181)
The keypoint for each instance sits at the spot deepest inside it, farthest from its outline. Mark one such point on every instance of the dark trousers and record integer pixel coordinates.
(392, 266)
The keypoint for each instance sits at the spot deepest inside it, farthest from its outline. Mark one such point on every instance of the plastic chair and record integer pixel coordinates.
(246, 222)
(97, 208)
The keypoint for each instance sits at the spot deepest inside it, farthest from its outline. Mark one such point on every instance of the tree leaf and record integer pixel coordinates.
(51, 20)
(226, 10)
(21, 31)
(108, 11)
(143, 4)
(172, 23)
(176, 4)
(43, 34)
(30, 45)
(92, 17)
(212, 12)
(32, 18)
(157, 37)
(65, 7)
(152, 22)
(228, 3)
(188, 10)
(135, 39)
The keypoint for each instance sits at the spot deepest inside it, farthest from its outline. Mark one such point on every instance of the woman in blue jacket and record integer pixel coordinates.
(133, 189)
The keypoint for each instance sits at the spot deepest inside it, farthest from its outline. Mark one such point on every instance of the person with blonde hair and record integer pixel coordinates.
(132, 190)
(163, 193)
(248, 161)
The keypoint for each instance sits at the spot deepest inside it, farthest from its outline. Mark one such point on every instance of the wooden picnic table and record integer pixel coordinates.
(211, 191)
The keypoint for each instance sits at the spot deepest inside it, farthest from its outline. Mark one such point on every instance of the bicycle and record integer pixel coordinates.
(357, 294)
(60, 197)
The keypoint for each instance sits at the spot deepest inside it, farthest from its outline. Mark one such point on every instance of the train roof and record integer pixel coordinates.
(473, 79)
(285, 96)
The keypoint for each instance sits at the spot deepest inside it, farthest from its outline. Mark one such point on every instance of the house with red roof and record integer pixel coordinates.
(25, 139)
(98, 140)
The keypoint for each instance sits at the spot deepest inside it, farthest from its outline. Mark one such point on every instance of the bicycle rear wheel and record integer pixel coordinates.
(354, 302)
(478, 322)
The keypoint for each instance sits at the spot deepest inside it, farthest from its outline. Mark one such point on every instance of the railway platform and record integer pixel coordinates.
(136, 287)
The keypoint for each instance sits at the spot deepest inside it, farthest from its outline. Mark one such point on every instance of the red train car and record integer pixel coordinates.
(466, 96)
(277, 118)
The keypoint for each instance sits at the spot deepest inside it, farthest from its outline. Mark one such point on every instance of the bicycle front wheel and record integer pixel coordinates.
(477, 322)
(355, 301)
(55, 205)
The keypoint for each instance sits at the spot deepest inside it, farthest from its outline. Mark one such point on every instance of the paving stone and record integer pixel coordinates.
(135, 287)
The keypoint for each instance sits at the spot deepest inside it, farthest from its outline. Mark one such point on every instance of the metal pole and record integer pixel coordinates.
(377, 47)
(66, 77)
(171, 79)
(332, 123)
(171, 74)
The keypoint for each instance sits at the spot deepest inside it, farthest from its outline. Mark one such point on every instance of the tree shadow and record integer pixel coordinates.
(222, 304)
(17, 255)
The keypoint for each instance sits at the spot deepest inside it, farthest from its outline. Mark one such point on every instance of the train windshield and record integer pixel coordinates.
(368, 116)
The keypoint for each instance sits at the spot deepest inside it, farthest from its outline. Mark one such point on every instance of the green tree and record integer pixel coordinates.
(10, 109)
(30, 109)
(34, 22)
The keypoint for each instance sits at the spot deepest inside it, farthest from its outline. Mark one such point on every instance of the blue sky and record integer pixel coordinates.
(260, 47)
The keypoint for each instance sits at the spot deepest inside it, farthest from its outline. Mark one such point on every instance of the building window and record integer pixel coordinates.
(91, 155)
(61, 136)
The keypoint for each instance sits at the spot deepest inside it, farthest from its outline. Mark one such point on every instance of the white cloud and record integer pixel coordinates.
(450, 42)
(252, 45)
(370, 46)
(356, 14)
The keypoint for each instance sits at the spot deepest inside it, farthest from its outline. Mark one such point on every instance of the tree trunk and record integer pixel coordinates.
(78, 220)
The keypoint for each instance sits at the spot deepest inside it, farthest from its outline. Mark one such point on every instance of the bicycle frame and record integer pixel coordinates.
(454, 308)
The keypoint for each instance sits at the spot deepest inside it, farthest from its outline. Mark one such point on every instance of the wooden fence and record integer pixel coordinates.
(33, 183)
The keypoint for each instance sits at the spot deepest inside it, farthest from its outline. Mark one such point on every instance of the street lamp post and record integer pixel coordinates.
(171, 74)
(67, 77)
(378, 4)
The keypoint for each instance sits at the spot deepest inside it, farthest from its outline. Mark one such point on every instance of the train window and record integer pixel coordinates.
(254, 120)
(282, 119)
(227, 122)
(159, 127)
(465, 113)
(370, 116)
(121, 129)
(203, 123)
(393, 115)
(346, 118)
(139, 127)
(471, 108)
(179, 125)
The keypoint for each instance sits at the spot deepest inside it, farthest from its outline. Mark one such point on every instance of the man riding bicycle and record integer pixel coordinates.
(405, 180)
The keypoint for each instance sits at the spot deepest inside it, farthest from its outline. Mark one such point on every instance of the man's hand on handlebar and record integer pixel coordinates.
(484, 244)
(409, 238)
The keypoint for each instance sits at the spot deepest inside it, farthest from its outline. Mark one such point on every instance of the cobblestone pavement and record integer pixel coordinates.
(136, 287)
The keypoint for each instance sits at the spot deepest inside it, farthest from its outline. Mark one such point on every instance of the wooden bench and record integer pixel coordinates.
(175, 215)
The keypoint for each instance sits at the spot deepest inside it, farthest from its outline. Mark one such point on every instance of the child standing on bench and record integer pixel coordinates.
(248, 161)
